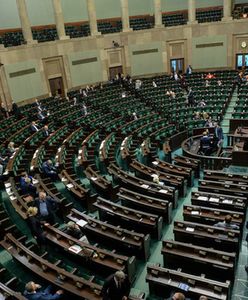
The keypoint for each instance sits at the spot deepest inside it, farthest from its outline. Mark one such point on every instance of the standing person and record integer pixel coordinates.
(33, 292)
(116, 287)
(189, 70)
(218, 135)
(35, 225)
(46, 206)
(190, 97)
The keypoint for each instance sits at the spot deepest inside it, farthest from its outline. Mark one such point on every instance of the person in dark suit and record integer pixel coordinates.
(46, 206)
(33, 292)
(35, 225)
(27, 186)
(49, 169)
(34, 127)
(206, 144)
(190, 97)
(45, 131)
(116, 287)
(16, 111)
(218, 135)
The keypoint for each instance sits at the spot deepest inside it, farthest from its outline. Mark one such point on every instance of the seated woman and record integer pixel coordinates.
(27, 186)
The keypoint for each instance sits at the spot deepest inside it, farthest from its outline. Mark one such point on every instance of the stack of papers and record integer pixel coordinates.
(69, 185)
(82, 223)
(190, 229)
(203, 198)
(145, 186)
(163, 191)
(75, 248)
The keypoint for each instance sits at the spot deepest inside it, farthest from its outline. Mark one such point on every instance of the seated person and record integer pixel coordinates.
(45, 131)
(74, 230)
(27, 186)
(49, 169)
(11, 149)
(33, 292)
(227, 224)
(156, 179)
(3, 163)
(34, 127)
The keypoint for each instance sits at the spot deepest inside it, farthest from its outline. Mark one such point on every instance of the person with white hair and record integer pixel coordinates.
(155, 179)
(116, 287)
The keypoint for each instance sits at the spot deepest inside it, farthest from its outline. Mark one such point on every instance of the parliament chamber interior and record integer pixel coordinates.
(123, 149)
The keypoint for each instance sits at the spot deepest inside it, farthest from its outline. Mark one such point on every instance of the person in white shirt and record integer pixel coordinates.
(154, 84)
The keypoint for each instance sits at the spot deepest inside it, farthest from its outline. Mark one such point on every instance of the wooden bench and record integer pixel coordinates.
(145, 172)
(78, 191)
(203, 235)
(188, 163)
(130, 242)
(106, 263)
(162, 281)
(147, 204)
(199, 260)
(227, 178)
(130, 218)
(166, 167)
(51, 272)
(223, 188)
(211, 216)
(142, 186)
(220, 201)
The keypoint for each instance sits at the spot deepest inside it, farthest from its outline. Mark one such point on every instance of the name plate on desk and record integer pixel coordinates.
(190, 229)
(214, 199)
(227, 201)
(195, 212)
(163, 191)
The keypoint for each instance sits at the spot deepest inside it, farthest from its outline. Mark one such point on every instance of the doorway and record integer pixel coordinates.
(113, 71)
(177, 65)
(57, 86)
(242, 60)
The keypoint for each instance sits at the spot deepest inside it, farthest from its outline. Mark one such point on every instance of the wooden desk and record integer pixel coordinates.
(162, 281)
(199, 260)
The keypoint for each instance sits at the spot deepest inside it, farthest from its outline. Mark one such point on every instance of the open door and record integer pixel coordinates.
(56, 86)
(113, 71)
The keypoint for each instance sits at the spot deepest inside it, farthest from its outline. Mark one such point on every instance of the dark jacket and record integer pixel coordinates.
(110, 291)
(42, 295)
(35, 227)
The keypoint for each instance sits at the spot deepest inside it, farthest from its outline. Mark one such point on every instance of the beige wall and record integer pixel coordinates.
(174, 42)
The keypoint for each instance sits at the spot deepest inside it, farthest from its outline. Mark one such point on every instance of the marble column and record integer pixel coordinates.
(92, 17)
(4, 89)
(125, 16)
(59, 19)
(158, 13)
(227, 10)
(191, 12)
(25, 22)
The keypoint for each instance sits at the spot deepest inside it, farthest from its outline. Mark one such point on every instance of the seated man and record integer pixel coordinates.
(227, 224)
(49, 169)
(27, 186)
(45, 131)
(34, 127)
(47, 207)
(74, 230)
(33, 292)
